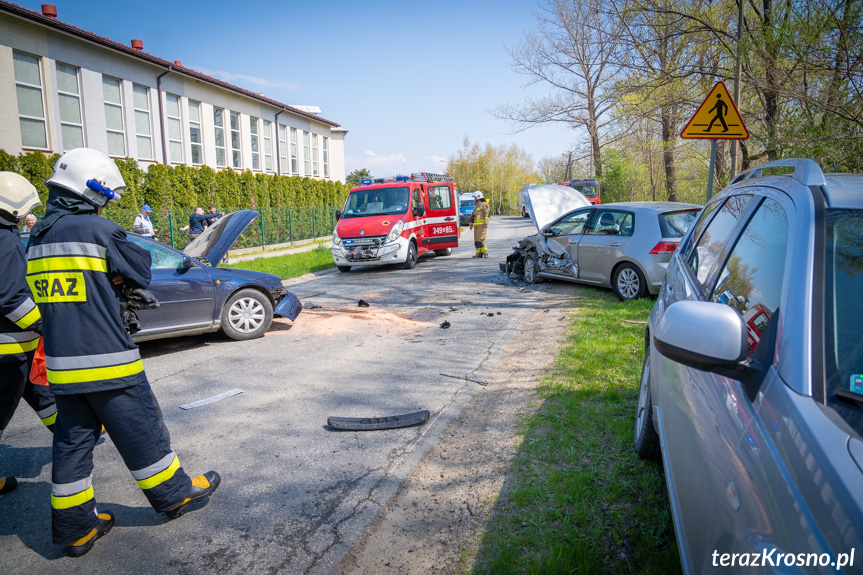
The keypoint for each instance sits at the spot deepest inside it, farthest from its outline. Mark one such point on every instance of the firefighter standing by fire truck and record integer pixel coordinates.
(479, 222)
(20, 322)
(77, 264)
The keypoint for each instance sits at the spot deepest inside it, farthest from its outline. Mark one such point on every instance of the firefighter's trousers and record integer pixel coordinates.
(479, 233)
(134, 423)
(15, 384)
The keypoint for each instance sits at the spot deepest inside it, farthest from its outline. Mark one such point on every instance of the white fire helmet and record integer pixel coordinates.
(478, 196)
(90, 174)
(18, 197)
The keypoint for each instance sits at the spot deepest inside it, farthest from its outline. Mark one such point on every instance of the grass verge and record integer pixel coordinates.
(578, 499)
(290, 265)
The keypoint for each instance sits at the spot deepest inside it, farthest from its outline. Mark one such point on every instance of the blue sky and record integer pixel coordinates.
(409, 80)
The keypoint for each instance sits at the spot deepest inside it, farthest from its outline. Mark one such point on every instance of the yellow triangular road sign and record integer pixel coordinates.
(716, 118)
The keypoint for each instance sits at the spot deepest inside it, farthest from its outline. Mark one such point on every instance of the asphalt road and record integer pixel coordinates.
(295, 496)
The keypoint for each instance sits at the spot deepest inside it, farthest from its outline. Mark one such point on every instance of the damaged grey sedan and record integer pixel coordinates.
(623, 246)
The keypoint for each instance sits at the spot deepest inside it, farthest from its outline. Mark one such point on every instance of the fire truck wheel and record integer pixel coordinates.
(531, 268)
(344, 269)
(444, 252)
(247, 314)
(411, 261)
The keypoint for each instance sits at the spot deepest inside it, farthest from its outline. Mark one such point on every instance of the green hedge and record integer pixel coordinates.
(176, 187)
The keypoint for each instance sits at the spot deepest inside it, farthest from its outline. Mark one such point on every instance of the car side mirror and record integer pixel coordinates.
(709, 337)
(419, 211)
(338, 214)
(546, 231)
(187, 262)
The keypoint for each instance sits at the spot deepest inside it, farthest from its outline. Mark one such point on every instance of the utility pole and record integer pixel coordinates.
(735, 145)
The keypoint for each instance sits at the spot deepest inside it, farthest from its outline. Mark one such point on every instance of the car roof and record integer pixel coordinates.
(653, 206)
(844, 190)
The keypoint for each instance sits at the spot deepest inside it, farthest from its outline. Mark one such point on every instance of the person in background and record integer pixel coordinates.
(197, 223)
(213, 215)
(29, 222)
(479, 223)
(142, 224)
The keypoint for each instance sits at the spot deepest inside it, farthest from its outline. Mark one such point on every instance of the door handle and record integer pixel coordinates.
(448, 219)
(617, 245)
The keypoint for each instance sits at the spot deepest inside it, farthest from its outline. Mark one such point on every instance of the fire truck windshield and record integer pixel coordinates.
(377, 202)
(589, 190)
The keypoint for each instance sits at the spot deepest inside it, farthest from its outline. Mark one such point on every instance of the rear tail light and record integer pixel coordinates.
(664, 248)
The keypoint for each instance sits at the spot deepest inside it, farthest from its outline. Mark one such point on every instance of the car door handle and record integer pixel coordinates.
(615, 245)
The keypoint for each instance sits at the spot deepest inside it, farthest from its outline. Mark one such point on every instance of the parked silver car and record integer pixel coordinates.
(752, 385)
(625, 246)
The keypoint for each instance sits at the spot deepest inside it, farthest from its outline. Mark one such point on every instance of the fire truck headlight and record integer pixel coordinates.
(396, 231)
(337, 241)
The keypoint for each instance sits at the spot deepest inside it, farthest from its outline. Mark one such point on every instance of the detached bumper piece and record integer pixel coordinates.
(375, 423)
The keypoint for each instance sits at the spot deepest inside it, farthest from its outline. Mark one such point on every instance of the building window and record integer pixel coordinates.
(268, 145)
(283, 149)
(143, 135)
(295, 165)
(326, 152)
(236, 152)
(114, 116)
(31, 108)
(175, 128)
(256, 154)
(219, 126)
(195, 132)
(69, 99)
(307, 155)
(315, 155)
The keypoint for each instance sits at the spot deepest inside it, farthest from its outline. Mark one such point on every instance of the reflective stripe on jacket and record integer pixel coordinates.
(69, 271)
(18, 312)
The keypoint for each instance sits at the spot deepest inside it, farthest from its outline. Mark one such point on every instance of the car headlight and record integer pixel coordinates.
(337, 241)
(396, 232)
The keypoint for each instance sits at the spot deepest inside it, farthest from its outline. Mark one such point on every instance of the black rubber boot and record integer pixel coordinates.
(202, 487)
(84, 544)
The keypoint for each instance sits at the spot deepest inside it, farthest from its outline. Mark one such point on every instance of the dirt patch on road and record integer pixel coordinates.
(434, 523)
(347, 320)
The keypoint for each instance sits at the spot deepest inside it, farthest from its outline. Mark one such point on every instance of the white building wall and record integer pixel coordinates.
(94, 61)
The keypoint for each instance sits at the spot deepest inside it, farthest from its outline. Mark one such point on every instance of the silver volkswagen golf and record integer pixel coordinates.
(752, 385)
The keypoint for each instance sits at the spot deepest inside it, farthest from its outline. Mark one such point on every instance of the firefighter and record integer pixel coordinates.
(20, 322)
(479, 223)
(77, 265)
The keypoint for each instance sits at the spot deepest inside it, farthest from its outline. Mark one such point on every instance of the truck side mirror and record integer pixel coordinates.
(419, 211)
(338, 214)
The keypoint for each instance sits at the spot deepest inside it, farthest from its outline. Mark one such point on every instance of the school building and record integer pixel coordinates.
(62, 87)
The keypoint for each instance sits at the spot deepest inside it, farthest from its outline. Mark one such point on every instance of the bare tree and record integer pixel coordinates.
(571, 51)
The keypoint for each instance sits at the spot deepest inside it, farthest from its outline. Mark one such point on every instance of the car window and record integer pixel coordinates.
(571, 224)
(751, 279)
(675, 224)
(161, 257)
(439, 198)
(715, 235)
(844, 314)
(611, 223)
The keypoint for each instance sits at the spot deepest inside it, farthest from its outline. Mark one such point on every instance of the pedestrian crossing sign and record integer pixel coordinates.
(716, 118)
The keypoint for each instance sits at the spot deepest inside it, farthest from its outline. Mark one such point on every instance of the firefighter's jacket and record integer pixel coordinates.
(480, 221)
(69, 270)
(19, 316)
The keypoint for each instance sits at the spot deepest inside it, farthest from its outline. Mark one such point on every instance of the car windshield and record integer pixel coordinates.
(467, 204)
(588, 190)
(844, 314)
(675, 224)
(377, 202)
(161, 257)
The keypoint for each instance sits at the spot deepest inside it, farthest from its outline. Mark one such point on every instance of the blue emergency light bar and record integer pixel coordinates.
(367, 182)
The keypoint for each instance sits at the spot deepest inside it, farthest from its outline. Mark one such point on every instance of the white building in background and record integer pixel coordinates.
(62, 87)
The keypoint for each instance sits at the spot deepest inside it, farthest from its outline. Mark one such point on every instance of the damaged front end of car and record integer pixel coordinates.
(535, 255)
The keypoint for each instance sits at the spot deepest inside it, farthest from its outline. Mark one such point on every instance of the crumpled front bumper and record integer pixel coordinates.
(371, 255)
(290, 307)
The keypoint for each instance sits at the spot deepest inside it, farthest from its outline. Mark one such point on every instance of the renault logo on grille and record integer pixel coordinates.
(362, 232)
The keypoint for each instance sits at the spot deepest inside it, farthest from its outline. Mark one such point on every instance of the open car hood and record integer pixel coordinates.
(548, 202)
(217, 239)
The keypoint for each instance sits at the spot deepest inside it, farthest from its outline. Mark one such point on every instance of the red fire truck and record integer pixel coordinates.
(587, 186)
(396, 220)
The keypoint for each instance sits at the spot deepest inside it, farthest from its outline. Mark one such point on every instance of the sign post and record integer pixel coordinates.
(716, 118)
